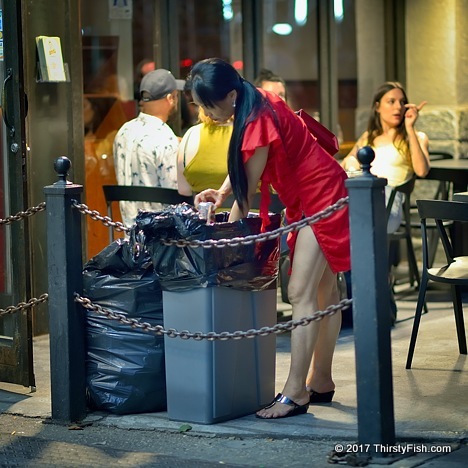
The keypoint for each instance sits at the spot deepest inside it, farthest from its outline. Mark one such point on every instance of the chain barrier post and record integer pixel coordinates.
(371, 309)
(66, 320)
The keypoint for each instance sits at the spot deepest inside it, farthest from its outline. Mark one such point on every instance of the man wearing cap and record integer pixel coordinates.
(145, 148)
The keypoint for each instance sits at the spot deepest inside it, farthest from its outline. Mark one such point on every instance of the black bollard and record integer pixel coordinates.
(371, 315)
(66, 318)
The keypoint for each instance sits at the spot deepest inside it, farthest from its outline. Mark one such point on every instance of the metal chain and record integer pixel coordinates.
(24, 214)
(94, 214)
(24, 305)
(220, 243)
(262, 237)
(210, 336)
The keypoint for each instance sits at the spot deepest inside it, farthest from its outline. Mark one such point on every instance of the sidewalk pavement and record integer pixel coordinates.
(430, 404)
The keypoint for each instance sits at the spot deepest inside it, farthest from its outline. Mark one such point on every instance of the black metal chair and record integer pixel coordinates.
(404, 233)
(404, 230)
(430, 189)
(116, 193)
(453, 273)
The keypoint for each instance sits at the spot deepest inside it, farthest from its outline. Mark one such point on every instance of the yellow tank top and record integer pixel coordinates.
(208, 168)
(392, 164)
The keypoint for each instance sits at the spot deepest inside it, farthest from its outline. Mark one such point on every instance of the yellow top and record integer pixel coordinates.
(392, 164)
(208, 168)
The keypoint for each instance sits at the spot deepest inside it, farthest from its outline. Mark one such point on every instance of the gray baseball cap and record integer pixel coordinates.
(158, 83)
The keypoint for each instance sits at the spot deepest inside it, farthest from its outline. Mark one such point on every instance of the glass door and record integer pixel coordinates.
(15, 328)
(117, 48)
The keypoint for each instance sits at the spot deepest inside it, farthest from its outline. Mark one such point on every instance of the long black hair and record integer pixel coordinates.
(212, 79)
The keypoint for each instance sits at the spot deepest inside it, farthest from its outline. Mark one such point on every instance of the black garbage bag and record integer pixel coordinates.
(125, 366)
(251, 267)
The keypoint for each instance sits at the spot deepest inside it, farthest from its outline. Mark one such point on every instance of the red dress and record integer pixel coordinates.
(306, 178)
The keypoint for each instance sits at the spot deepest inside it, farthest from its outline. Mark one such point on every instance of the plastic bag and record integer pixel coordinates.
(125, 367)
(251, 267)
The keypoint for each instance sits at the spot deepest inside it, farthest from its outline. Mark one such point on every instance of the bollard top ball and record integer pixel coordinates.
(365, 156)
(62, 166)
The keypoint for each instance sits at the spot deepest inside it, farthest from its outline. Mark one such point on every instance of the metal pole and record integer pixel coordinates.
(371, 314)
(66, 320)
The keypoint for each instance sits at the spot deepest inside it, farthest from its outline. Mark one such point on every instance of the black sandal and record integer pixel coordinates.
(316, 397)
(296, 409)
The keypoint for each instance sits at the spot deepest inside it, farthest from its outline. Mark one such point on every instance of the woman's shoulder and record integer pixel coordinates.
(189, 144)
(191, 130)
(190, 134)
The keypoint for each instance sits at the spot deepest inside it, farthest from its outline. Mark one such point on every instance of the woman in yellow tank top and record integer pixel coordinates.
(202, 159)
(400, 150)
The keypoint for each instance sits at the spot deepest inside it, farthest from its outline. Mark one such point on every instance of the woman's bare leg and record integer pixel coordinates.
(319, 377)
(308, 269)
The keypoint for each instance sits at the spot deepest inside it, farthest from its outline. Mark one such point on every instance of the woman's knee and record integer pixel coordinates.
(302, 292)
(297, 293)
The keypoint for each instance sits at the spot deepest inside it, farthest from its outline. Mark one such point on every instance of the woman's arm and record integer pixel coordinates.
(418, 144)
(215, 196)
(350, 162)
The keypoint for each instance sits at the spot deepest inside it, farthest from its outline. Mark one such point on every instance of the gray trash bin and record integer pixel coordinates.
(216, 289)
(213, 381)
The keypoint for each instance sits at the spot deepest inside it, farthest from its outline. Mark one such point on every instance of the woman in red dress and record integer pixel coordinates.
(271, 144)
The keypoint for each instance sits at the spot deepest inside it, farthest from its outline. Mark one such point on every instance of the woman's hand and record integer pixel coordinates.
(418, 144)
(210, 195)
(412, 113)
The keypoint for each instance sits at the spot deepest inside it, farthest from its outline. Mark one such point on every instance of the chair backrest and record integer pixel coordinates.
(115, 193)
(440, 211)
(406, 189)
(146, 194)
(443, 210)
(444, 187)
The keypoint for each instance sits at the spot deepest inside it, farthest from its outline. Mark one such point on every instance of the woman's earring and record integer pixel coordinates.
(233, 103)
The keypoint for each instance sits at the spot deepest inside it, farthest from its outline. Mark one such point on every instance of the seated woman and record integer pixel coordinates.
(400, 151)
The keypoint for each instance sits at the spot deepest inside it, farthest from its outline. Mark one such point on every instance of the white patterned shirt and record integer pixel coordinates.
(145, 153)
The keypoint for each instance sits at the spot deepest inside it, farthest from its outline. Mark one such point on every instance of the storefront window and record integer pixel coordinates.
(290, 49)
(347, 72)
(117, 44)
(212, 28)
